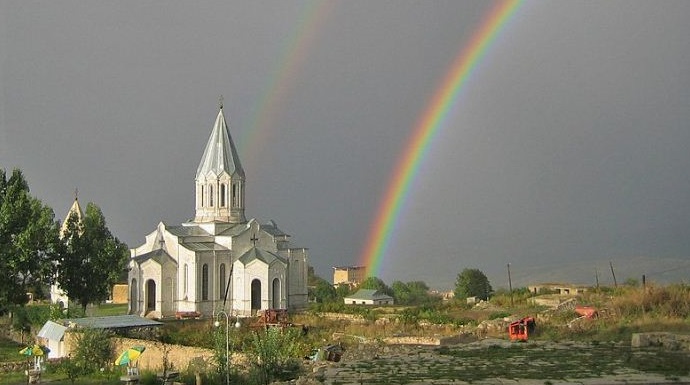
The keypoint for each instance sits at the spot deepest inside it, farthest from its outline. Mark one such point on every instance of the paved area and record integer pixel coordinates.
(498, 362)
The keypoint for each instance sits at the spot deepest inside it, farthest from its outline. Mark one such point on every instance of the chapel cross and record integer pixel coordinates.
(254, 239)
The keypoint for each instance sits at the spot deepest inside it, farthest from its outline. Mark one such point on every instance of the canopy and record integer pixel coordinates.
(130, 355)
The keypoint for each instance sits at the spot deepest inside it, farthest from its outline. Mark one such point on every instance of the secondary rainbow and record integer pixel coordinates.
(428, 125)
(286, 71)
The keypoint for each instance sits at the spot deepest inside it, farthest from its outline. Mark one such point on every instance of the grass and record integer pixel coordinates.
(536, 361)
(109, 309)
(589, 349)
(9, 350)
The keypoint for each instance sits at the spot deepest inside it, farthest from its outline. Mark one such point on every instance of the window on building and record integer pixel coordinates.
(210, 195)
(202, 196)
(221, 279)
(222, 195)
(184, 279)
(204, 282)
(234, 195)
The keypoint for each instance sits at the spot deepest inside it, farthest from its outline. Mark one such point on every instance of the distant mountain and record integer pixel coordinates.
(656, 270)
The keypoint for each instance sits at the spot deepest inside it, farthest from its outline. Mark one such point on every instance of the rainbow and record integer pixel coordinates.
(283, 75)
(427, 127)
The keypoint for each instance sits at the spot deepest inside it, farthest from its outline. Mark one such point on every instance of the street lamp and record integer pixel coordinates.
(227, 340)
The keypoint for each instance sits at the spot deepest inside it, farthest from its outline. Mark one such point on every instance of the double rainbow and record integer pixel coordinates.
(429, 124)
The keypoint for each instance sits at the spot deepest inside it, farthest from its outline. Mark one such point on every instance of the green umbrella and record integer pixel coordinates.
(130, 355)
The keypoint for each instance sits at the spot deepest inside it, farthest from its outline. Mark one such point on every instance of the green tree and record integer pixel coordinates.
(323, 292)
(342, 291)
(29, 240)
(93, 349)
(92, 259)
(401, 293)
(411, 293)
(376, 283)
(472, 283)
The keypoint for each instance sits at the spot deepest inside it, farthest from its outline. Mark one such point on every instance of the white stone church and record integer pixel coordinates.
(219, 260)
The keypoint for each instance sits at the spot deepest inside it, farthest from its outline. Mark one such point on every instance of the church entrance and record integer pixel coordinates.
(256, 296)
(150, 295)
(133, 300)
(276, 294)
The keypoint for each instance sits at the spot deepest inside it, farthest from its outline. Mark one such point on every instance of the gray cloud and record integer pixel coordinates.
(569, 142)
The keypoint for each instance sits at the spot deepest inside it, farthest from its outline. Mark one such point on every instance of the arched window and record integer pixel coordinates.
(210, 195)
(204, 282)
(202, 195)
(234, 195)
(221, 281)
(222, 195)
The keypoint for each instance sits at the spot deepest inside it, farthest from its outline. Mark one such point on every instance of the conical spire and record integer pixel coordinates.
(220, 153)
(75, 209)
(220, 178)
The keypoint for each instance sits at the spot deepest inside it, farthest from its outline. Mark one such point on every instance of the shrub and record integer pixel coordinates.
(276, 355)
(92, 350)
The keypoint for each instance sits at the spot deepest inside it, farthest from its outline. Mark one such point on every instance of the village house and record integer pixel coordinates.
(368, 297)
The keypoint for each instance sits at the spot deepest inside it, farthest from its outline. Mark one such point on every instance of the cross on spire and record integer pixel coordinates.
(254, 239)
(76, 193)
(220, 102)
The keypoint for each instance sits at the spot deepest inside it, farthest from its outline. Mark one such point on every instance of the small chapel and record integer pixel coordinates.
(218, 260)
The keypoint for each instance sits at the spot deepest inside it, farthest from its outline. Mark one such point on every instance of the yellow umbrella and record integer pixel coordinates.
(130, 355)
(35, 350)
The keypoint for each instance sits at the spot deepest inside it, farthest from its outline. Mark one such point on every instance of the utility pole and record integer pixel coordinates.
(510, 286)
(615, 283)
(596, 277)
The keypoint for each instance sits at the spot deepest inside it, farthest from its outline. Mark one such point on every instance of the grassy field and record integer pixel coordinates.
(9, 350)
(587, 349)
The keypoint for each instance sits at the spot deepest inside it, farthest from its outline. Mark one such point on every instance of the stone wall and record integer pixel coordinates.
(661, 339)
(354, 318)
(152, 358)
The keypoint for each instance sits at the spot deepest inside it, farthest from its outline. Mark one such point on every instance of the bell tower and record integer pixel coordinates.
(220, 181)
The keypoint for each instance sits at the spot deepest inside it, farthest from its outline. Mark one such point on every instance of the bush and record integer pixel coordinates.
(93, 350)
(276, 355)
(69, 368)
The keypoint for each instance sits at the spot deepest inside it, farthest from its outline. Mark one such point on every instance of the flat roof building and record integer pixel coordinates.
(348, 275)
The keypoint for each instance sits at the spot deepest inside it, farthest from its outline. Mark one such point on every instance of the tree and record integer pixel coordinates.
(323, 292)
(92, 259)
(411, 293)
(29, 240)
(376, 283)
(472, 283)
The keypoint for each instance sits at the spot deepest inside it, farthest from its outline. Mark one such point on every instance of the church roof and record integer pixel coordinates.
(158, 255)
(75, 209)
(262, 255)
(369, 294)
(272, 228)
(203, 246)
(187, 231)
(220, 154)
(235, 230)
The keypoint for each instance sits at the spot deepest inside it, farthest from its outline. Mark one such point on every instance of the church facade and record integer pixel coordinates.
(219, 260)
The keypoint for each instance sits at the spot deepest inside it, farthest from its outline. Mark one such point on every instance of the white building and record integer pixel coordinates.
(219, 260)
(368, 297)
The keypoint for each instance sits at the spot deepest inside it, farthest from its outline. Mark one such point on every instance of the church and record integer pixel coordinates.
(218, 260)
